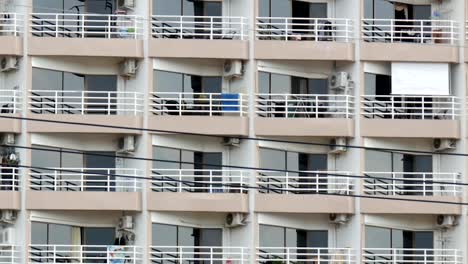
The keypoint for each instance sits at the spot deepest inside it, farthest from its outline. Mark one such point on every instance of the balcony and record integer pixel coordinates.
(199, 190)
(9, 254)
(11, 29)
(186, 254)
(412, 185)
(289, 38)
(10, 197)
(206, 113)
(91, 107)
(409, 40)
(289, 255)
(218, 37)
(411, 255)
(84, 189)
(305, 192)
(96, 35)
(410, 116)
(84, 254)
(304, 115)
(10, 105)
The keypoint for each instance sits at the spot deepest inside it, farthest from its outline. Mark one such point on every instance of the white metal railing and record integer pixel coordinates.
(11, 24)
(412, 31)
(84, 254)
(9, 179)
(9, 254)
(192, 180)
(85, 102)
(187, 254)
(413, 183)
(86, 25)
(312, 29)
(85, 179)
(199, 27)
(411, 256)
(211, 104)
(410, 107)
(10, 101)
(290, 255)
(307, 182)
(304, 105)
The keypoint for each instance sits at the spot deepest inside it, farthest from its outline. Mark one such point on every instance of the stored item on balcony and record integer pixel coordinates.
(230, 102)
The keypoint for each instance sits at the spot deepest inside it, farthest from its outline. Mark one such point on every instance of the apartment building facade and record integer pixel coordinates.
(165, 131)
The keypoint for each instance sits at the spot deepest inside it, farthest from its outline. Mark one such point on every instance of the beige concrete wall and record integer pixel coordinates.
(381, 206)
(8, 125)
(409, 52)
(95, 201)
(328, 127)
(410, 128)
(10, 45)
(199, 48)
(10, 200)
(198, 202)
(93, 47)
(210, 125)
(290, 203)
(303, 50)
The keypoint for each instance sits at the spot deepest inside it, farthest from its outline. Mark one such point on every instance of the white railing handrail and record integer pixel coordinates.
(320, 29)
(82, 102)
(410, 106)
(39, 253)
(425, 184)
(176, 103)
(406, 255)
(76, 179)
(11, 24)
(410, 30)
(9, 179)
(211, 180)
(304, 105)
(313, 182)
(83, 25)
(180, 254)
(10, 101)
(305, 255)
(208, 27)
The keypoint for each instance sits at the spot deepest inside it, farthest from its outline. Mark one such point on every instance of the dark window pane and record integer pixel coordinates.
(264, 8)
(272, 159)
(213, 8)
(98, 236)
(280, 8)
(378, 237)
(163, 153)
(368, 8)
(264, 82)
(43, 79)
(38, 233)
(271, 236)
(422, 12)
(164, 235)
(212, 84)
(168, 82)
(47, 6)
(318, 10)
(167, 7)
(60, 234)
(317, 238)
(100, 6)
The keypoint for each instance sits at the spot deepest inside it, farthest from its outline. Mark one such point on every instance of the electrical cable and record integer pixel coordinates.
(391, 150)
(237, 186)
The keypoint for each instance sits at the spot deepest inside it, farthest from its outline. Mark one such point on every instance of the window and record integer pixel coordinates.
(192, 164)
(187, 8)
(75, 6)
(294, 161)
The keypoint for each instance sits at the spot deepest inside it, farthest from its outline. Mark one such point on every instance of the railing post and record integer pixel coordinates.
(288, 255)
(180, 180)
(82, 180)
(54, 249)
(424, 184)
(392, 30)
(286, 107)
(241, 104)
(394, 256)
(211, 181)
(55, 180)
(423, 108)
(82, 102)
(242, 28)
(316, 106)
(108, 103)
(135, 180)
(82, 26)
(15, 25)
(348, 99)
(422, 31)
(181, 258)
(287, 183)
(394, 182)
(392, 106)
(453, 107)
(14, 102)
(347, 29)
(210, 103)
(180, 104)
(56, 25)
(211, 255)
(318, 256)
(452, 32)
(181, 32)
(316, 29)
(211, 27)
(109, 26)
(135, 27)
(108, 180)
(135, 103)
(56, 102)
(285, 28)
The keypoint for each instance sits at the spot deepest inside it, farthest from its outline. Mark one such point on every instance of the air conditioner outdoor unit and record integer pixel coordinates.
(7, 216)
(233, 68)
(6, 236)
(126, 222)
(338, 218)
(339, 80)
(341, 141)
(8, 139)
(127, 144)
(234, 219)
(441, 144)
(126, 4)
(232, 142)
(446, 221)
(8, 63)
(128, 68)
